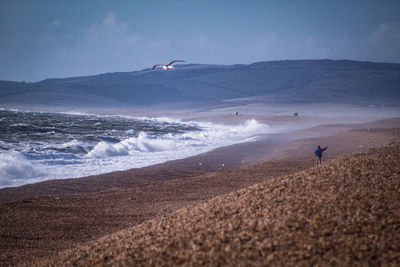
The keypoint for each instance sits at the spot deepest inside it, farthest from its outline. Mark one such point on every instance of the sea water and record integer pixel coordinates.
(38, 146)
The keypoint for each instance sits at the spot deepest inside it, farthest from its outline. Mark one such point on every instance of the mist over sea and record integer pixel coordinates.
(38, 146)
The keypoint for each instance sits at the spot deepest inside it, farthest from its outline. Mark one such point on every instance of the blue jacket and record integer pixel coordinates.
(318, 151)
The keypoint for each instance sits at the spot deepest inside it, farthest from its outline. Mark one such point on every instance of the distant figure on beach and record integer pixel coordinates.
(318, 154)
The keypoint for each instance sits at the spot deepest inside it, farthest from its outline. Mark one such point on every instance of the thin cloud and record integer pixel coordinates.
(383, 43)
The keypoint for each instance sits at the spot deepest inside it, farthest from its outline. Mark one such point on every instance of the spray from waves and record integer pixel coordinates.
(14, 166)
(226, 134)
(129, 146)
(83, 145)
(211, 136)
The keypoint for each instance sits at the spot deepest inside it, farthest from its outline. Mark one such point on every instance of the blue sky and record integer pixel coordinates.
(47, 39)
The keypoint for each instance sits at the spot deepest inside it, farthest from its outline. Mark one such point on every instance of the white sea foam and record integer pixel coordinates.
(130, 146)
(16, 169)
(72, 143)
(132, 152)
(211, 136)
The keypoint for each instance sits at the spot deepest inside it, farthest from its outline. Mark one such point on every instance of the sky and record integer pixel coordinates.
(54, 38)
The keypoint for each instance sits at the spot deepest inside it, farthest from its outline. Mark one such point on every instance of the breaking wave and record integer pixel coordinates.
(210, 136)
(41, 146)
(142, 143)
(15, 169)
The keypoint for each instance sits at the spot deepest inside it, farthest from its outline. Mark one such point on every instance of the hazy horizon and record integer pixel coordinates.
(205, 64)
(47, 39)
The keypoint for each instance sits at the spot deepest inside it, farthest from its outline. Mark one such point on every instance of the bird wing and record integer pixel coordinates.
(173, 61)
(155, 66)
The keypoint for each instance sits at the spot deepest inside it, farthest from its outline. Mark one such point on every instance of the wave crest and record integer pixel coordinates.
(211, 135)
(16, 167)
(129, 146)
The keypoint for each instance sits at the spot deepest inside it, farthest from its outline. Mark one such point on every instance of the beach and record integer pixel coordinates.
(199, 133)
(43, 219)
(344, 213)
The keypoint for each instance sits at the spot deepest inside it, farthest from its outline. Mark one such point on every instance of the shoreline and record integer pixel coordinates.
(281, 124)
(46, 218)
(263, 147)
(208, 137)
(285, 125)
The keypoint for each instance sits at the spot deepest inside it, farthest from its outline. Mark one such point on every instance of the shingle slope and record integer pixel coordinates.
(344, 213)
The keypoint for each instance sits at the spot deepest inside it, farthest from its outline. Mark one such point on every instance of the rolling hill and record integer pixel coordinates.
(335, 81)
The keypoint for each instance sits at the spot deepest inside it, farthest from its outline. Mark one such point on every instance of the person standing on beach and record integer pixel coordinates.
(318, 154)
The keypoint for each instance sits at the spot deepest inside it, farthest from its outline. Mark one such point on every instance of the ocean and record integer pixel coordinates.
(40, 146)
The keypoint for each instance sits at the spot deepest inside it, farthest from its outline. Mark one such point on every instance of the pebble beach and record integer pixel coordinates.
(275, 208)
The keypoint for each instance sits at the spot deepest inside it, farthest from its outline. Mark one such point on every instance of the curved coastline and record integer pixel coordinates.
(99, 205)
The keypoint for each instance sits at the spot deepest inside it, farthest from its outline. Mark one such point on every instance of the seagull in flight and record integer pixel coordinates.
(167, 67)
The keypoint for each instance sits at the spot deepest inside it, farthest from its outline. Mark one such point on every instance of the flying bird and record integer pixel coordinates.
(167, 67)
